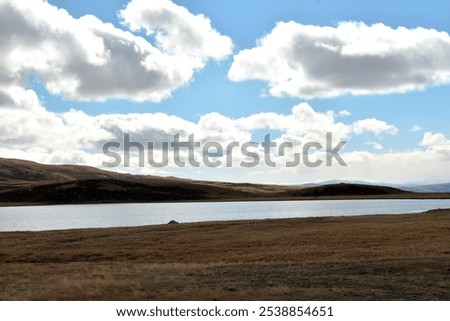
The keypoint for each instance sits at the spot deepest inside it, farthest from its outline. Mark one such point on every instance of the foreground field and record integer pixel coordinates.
(389, 257)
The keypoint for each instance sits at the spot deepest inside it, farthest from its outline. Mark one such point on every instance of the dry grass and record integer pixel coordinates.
(365, 258)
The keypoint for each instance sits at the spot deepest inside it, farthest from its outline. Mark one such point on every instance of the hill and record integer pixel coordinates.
(346, 189)
(25, 182)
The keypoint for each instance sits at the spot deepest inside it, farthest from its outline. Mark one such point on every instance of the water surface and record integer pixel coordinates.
(38, 218)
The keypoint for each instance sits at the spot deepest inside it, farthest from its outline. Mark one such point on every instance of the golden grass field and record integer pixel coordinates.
(385, 257)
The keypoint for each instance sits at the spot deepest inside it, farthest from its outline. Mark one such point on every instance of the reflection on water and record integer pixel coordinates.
(36, 218)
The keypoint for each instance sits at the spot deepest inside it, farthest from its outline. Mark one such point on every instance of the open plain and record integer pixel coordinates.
(380, 257)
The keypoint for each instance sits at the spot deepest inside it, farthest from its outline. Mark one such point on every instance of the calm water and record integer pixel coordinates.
(37, 218)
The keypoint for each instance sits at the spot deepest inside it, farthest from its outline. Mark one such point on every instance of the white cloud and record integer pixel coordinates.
(437, 143)
(76, 137)
(29, 131)
(87, 59)
(303, 124)
(373, 125)
(416, 128)
(31, 127)
(396, 167)
(375, 145)
(177, 31)
(220, 128)
(353, 58)
(344, 113)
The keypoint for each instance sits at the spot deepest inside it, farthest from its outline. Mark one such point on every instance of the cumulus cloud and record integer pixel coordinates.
(29, 131)
(344, 113)
(375, 145)
(395, 167)
(353, 58)
(87, 59)
(437, 143)
(373, 125)
(26, 124)
(76, 136)
(416, 128)
(301, 125)
(176, 30)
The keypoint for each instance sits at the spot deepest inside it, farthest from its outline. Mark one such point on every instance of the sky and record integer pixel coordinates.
(76, 75)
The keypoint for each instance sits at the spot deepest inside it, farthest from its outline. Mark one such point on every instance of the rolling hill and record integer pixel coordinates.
(25, 182)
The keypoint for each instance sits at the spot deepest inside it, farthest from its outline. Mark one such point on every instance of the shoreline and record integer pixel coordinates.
(236, 221)
(367, 257)
(409, 196)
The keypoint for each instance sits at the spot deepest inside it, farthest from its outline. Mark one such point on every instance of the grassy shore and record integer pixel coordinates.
(384, 257)
(405, 196)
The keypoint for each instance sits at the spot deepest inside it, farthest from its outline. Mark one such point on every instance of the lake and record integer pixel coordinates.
(38, 218)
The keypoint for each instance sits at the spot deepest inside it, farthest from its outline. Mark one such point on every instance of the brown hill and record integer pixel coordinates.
(345, 189)
(28, 182)
(25, 181)
(21, 173)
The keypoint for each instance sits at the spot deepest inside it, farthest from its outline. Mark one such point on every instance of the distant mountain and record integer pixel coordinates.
(335, 181)
(434, 188)
(429, 188)
(24, 182)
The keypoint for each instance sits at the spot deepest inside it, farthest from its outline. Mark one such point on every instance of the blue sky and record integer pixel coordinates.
(414, 113)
